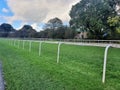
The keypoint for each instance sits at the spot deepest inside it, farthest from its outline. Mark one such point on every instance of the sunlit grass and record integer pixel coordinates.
(80, 67)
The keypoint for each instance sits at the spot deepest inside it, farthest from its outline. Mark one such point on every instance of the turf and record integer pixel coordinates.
(80, 67)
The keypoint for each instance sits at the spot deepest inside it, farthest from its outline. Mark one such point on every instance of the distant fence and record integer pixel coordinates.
(72, 40)
(102, 43)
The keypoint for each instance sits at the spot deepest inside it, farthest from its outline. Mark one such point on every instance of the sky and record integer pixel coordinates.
(34, 12)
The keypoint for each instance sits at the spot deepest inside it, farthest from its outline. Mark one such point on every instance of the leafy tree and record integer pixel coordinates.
(53, 23)
(92, 16)
(6, 30)
(114, 23)
(51, 26)
(25, 32)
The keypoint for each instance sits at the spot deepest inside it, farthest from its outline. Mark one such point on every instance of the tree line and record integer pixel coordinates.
(97, 19)
(59, 32)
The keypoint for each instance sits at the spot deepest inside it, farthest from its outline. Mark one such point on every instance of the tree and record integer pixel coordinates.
(53, 23)
(6, 30)
(69, 33)
(114, 23)
(92, 16)
(51, 26)
(25, 32)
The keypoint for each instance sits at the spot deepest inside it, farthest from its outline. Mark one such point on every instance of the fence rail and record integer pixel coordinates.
(102, 43)
(70, 40)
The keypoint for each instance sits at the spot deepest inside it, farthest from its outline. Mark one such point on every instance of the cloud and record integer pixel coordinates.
(37, 27)
(5, 10)
(37, 11)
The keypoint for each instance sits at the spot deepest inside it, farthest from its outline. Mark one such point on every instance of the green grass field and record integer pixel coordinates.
(80, 67)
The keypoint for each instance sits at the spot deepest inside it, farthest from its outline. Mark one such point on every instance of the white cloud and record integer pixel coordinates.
(36, 26)
(5, 10)
(37, 11)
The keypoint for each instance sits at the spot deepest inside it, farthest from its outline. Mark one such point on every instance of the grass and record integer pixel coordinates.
(80, 67)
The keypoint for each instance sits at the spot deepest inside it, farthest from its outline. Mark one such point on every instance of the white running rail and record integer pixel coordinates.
(105, 62)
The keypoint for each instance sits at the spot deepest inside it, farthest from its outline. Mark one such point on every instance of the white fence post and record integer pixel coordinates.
(14, 42)
(30, 44)
(23, 44)
(18, 43)
(58, 52)
(105, 62)
(40, 47)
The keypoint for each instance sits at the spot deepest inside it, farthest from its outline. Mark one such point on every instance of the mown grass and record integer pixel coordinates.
(80, 67)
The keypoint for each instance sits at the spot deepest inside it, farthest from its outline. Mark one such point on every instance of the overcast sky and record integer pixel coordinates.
(34, 12)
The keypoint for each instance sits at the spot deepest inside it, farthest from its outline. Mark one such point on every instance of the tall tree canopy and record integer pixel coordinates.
(6, 30)
(25, 32)
(54, 23)
(55, 29)
(114, 24)
(92, 15)
(52, 26)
